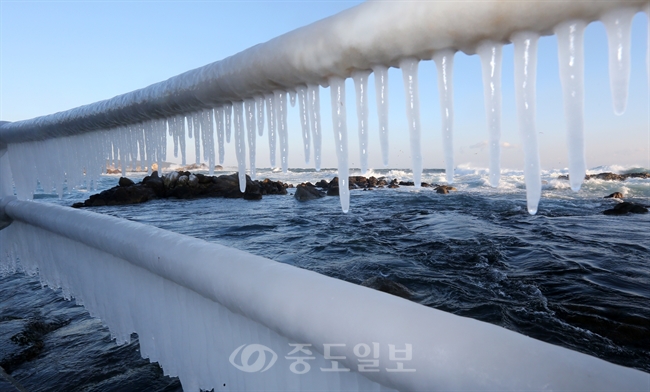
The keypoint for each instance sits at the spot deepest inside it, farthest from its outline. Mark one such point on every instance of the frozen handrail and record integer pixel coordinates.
(372, 34)
(143, 279)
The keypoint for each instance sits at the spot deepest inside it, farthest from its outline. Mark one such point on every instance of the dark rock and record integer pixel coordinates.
(393, 184)
(626, 207)
(388, 286)
(322, 184)
(125, 182)
(611, 176)
(615, 195)
(333, 191)
(444, 189)
(306, 192)
(185, 185)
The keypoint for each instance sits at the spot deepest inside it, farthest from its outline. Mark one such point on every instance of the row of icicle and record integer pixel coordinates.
(123, 145)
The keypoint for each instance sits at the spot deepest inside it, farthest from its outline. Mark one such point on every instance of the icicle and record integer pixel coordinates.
(240, 144)
(361, 88)
(270, 116)
(445, 63)
(292, 98)
(409, 67)
(647, 53)
(250, 126)
(281, 113)
(491, 54)
(339, 120)
(381, 93)
(618, 23)
(180, 129)
(259, 102)
(227, 110)
(207, 133)
(304, 120)
(188, 118)
(313, 97)
(570, 39)
(196, 121)
(218, 114)
(525, 73)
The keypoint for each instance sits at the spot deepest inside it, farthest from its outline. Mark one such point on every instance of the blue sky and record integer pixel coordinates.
(58, 55)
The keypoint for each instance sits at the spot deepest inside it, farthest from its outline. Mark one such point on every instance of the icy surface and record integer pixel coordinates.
(525, 74)
(491, 54)
(445, 62)
(410, 74)
(570, 37)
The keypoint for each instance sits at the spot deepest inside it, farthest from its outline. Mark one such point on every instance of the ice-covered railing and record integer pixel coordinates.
(194, 304)
(235, 92)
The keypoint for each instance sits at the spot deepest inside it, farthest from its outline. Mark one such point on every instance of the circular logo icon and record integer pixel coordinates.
(259, 365)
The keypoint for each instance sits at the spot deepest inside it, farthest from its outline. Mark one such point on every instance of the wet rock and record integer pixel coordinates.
(322, 184)
(388, 286)
(125, 182)
(32, 338)
(306, 192)
(444, 189)
(607, 176)
(626, 207)
(615, 195)
(185, 185)
(393, 184)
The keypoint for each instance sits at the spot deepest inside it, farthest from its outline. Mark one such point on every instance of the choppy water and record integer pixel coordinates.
(569, 275)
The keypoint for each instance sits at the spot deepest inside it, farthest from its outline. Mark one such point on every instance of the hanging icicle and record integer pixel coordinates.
(251, 136)
(445, 62)
(618, 24)
(409, 67)
(283, 133)
(491, 62)
(270, 116)
(313, 97)
(381, 94)
(360, 79)
(240, 144)
(303, 108)
(570, 40)
(525, 74)
(339, 120)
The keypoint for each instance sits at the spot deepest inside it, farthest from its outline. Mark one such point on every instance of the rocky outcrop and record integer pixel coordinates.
(307, 191)
(183, 185)
(626, 207)
(615, 195)
(611, 176)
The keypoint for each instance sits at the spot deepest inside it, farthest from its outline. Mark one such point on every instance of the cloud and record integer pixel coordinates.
(480, 145)
(508, 145)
